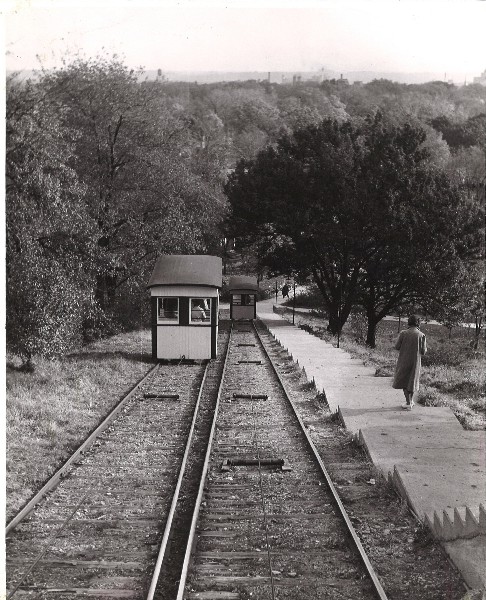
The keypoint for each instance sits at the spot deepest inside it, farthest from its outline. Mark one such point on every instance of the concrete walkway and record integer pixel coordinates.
(436, 465)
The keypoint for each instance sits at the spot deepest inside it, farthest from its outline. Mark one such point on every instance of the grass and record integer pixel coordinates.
(453, 374)
(49, 412)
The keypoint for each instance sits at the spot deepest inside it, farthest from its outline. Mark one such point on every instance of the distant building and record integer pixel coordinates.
(342, 82)
(337, 83)
(481, 79)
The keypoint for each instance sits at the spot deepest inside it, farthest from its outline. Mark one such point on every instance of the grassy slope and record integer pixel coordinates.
(50, 412)
(452, 375)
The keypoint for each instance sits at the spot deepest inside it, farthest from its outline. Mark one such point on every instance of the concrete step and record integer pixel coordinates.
(459, 523)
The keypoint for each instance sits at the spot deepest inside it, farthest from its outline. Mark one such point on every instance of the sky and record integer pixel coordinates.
(446, 36)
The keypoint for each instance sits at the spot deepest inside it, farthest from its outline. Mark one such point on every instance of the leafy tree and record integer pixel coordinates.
(136, 152)
(462, 300)
(47, 229)
(354, 205)
(471, 132)
(428, 234)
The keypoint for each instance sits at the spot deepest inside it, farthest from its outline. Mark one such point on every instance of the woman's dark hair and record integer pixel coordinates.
(413, 321)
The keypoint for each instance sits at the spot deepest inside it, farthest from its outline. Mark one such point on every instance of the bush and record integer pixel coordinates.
(311, 297)
(45, 308)
(444, 353)
(130, 310)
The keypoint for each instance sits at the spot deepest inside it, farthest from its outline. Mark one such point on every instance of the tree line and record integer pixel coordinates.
(374, 191)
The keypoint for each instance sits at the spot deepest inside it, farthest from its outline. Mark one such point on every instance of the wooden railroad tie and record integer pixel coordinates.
(252, 345)
(241, 461)
(250, 396)
(162, 396)
(250, 362)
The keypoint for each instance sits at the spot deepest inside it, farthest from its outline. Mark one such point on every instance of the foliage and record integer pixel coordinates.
(48, 232)
(471, 132)
(357, 206)
(135, 155)
(106, 170)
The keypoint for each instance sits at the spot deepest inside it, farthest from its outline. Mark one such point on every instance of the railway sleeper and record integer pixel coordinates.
(250, 396)
(163, 396)
(254, 462)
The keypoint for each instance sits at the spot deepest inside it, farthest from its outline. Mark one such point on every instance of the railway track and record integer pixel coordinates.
(100, 525)
(269, 523)
(204, 486)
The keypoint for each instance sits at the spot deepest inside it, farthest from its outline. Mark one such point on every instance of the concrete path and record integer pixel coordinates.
(434, 463)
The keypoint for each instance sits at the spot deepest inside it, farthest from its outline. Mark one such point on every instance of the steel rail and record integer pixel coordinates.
(54, 480)
(46, 548)
(197, 507)
(364, 557)
(175, 498)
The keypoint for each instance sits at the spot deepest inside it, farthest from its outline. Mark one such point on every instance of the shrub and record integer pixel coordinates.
(45, 308)
(444, 353)
(311, 297)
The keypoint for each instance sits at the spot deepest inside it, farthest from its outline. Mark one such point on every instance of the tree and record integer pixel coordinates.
(462, 300)
(136, 152)
(355, 205)
(47, 229)
(427, 234)
(471, 132)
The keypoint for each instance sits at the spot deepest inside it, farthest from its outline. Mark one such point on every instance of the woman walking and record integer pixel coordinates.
(412, 346)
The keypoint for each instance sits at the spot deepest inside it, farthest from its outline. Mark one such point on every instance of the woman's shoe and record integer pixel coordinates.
(407, 406)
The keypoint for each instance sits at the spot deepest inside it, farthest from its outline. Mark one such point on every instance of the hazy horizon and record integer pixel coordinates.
(406, 37)
(281, 77)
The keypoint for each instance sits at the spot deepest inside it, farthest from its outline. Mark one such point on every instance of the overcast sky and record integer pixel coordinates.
(448, 36)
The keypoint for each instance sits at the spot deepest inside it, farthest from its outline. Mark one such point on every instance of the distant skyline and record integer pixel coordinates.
(443, 37)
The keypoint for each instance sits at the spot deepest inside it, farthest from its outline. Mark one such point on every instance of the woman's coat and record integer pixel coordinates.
(412, 345)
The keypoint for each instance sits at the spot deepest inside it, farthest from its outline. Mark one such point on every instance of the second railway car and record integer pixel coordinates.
(243, 290)
(185, 303)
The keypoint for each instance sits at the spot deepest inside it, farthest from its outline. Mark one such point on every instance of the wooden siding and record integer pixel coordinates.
(176, 341)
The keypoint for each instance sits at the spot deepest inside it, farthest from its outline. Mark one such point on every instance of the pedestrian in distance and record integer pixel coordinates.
(285, 291)
(412, 345)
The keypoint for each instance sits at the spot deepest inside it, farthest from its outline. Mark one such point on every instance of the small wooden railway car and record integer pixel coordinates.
(185, 303)
(243, 291)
